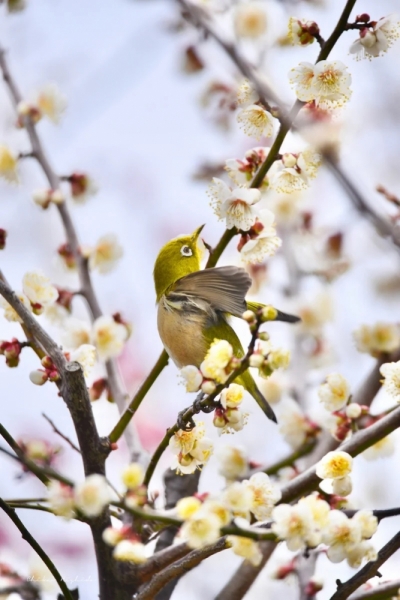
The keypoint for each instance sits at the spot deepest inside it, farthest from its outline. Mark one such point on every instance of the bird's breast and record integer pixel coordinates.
(181, 332)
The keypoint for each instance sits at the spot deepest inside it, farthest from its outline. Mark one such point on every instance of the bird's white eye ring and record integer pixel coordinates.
(186, 251)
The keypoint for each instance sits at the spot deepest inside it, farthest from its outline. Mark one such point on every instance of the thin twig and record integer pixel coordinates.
(86, 286)
(37, 548)
(138, 398)
(64, 437)
(369, 570)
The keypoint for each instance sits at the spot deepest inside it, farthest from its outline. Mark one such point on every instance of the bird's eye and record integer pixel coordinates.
(186, 251)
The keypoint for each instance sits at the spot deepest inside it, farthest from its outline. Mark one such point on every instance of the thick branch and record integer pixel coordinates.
(245, 575)
(368, 571)
(308, 481)
(179, 568)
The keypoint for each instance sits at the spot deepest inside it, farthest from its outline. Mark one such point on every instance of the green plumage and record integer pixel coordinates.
(193, 306)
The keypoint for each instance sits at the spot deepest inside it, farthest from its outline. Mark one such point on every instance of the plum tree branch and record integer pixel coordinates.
(37, 548)
(369, 570)
(179, 568)
(86, 286)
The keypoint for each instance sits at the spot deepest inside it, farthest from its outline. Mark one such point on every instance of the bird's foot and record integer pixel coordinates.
(185, 424)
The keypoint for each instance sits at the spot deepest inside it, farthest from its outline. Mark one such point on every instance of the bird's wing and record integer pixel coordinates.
(225, 288)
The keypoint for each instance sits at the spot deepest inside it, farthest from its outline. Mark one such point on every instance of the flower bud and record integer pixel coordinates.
(363, 18)
(112, 536)
(97, 389)
(219, 419)
(249, 316)
(47, 363)
(208, 386)
(269, 313)
(256, 360)
(38, 377)
(289, 160)
(353, 410)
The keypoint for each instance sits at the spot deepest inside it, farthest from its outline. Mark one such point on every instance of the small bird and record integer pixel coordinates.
(194, 304)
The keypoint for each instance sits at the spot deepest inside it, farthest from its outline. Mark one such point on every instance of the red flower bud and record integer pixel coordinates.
(98, 387)
(363, 18)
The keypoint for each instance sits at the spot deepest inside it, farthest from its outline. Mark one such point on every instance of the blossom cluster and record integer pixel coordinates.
(191, 449)
(310, 522)
(238, 502)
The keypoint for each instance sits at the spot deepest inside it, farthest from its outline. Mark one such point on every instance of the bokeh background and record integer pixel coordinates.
(136, 124)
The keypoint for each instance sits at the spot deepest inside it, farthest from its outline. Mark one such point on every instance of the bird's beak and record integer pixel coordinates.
(197, 232)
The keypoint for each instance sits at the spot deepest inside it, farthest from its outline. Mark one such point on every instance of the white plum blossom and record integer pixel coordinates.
(293, 424)
(374, 339)
(246, 94)
(295, 525)
(236, 206)
(109, 337)
(192, 378)
(8, 165)
(335, 393)
(374, 41)
(9, 313)
(201, 529)
(132, 476)
(293, 171)
(368, 523)
(336, 466)
(356, 554)
(51, 102)
(85, 355)
(314, 315)
(232, 396)
(246, 548)
(112, 536)
(250, 20)
(266, 243)
(342, 535)
(265, 495)
(256, 121)
(239, 499)
(106, 253)
(191, 449)
(61, 499)
(39, 290)
(233, 462)
(187, 507)
(44, 197)
(391, 382)
(327, 82)
(242, 171)
(217, 358)
(93, 495)
(381, 449)
(75, 333)
(128, 551)
(233, 419)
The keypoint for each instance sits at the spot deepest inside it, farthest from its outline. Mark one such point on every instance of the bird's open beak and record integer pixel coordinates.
(197, 232)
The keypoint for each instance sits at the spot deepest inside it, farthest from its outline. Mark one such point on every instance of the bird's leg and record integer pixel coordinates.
(197, 406)
(185, 424)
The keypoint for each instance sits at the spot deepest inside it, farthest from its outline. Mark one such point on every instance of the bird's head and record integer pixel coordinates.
(177, 258)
